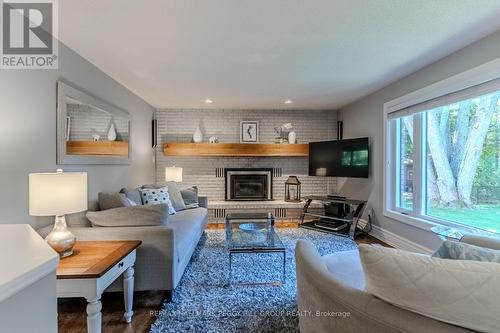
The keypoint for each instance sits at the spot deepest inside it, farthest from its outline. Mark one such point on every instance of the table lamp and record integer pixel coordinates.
(57, 194)
(173, 174)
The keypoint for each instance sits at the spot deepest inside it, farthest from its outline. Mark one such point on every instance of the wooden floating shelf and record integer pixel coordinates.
(235, 149)
(97, 148)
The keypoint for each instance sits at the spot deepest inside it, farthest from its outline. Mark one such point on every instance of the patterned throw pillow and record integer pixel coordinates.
(154, 196)
(464, 251)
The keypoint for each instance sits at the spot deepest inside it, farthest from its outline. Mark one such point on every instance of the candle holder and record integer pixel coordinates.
(292, 189)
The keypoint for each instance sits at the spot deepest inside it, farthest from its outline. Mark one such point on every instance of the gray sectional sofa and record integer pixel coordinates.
(165, 250)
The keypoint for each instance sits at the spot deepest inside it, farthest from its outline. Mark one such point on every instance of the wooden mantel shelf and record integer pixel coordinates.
(98, 148)
(235, 149)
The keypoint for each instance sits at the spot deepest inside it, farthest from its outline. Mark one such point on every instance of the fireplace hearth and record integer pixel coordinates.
(249, 184)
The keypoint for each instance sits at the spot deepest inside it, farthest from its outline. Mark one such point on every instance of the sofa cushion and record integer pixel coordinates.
(112, 200)
(133, 194)
(460, 292)
(346, 266)
(464, 251)
(488, 242)
(190, 197)
(188, 226)
(151, 215)
(154, 196)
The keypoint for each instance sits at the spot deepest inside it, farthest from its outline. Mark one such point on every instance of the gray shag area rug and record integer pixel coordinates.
(205, 302)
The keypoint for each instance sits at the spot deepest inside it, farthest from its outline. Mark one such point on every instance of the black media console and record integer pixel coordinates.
(340, 215)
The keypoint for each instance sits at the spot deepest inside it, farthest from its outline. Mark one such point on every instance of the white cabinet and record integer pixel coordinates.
(28, 301)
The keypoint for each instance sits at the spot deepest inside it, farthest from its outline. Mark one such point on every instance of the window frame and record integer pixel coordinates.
(416, 217)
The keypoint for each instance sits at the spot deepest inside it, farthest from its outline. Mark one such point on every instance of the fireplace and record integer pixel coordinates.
(249, 184)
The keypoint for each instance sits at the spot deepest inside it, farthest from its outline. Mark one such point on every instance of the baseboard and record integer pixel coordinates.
(395, 240)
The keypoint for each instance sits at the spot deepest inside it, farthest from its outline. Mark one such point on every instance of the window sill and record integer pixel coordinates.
(426, 225)
(410, 220)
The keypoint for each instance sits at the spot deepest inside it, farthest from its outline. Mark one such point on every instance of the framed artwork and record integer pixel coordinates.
(249, 131)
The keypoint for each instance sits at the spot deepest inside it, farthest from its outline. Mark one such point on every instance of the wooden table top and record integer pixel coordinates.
(92, 259)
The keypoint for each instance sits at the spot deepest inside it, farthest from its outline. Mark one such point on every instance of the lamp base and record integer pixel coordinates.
(60, 238)
(66, 254)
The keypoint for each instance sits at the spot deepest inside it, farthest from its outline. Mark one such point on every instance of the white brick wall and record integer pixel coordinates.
(85, 119)
(178, 125)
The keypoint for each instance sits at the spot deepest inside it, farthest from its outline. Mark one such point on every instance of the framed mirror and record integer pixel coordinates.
(90, 130)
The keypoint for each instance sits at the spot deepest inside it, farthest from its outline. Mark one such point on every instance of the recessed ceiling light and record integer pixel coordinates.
(208, 101)
(288, 101)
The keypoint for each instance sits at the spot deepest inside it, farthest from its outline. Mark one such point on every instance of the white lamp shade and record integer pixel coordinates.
(57, 194)
(173, 174)
(321, 172)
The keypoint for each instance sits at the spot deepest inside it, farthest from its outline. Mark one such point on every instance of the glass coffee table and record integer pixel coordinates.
(252, 233)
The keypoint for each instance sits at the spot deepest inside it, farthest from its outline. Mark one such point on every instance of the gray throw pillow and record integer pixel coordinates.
(131, 202)
(464, 251)
(133, 194)
(190, 197)
(135, 216)
(174, 194)
(112, 200)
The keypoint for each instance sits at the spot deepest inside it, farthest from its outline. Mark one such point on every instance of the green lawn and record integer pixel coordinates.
(481, 216)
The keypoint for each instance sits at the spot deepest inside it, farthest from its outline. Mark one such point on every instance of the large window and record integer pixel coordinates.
(444, 159)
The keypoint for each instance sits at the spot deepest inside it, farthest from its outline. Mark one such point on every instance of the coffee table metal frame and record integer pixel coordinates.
(276, 247)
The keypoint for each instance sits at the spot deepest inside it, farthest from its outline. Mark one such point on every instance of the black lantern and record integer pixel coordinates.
(292, 189)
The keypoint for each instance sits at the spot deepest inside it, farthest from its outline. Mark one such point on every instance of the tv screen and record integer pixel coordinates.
(342, 158)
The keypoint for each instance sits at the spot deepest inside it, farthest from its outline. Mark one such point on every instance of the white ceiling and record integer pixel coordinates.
(258, 53)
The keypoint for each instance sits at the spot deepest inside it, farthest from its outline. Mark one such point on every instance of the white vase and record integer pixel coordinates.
(112, 133)
(198, 136)
(292, 137)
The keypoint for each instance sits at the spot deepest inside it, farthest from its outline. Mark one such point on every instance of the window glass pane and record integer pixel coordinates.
(463, 174)
(405, 153)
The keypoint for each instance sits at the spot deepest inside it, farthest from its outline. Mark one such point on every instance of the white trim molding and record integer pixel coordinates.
(395, 240)
(472, 77)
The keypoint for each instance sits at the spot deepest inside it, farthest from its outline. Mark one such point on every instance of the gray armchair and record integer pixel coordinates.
(331, 296)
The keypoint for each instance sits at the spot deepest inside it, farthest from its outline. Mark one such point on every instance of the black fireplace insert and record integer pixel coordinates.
(249, 184)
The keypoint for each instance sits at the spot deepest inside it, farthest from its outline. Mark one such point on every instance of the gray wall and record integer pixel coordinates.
(365, 118)
(178, 125)
(28, 132)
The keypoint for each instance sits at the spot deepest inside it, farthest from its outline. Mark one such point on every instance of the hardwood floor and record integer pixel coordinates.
(73, 319)
(368, 239)
(72, 316)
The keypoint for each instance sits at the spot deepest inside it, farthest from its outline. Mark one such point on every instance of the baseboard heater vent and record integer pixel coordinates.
(219, 213)
(277, 172)
(220, 172)
(280, 212)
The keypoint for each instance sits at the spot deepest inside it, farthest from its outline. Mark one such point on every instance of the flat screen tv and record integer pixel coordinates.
(341, 158)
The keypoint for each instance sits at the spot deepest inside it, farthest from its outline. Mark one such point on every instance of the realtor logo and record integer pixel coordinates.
(29, 34)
